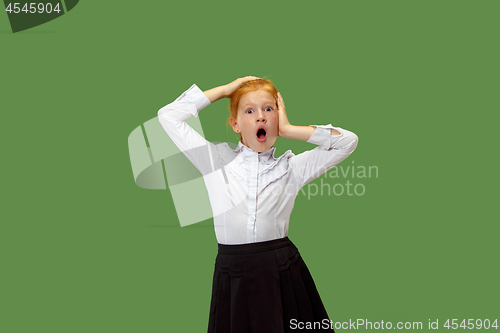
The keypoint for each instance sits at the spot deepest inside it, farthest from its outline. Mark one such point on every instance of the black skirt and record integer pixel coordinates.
(264, 287)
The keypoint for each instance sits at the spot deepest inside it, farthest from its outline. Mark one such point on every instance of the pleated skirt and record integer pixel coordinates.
(264, 287)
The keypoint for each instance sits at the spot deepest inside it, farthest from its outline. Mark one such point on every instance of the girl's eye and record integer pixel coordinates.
(249, 111)
(269, 109)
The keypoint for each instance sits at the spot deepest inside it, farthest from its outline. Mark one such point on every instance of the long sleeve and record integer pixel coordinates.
(332, 149)
(172, 118)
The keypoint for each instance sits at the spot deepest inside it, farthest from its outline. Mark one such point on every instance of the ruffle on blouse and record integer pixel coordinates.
(275, 171)
(238, 166)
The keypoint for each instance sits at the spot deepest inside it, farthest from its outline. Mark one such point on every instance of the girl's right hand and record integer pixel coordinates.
(231, 87)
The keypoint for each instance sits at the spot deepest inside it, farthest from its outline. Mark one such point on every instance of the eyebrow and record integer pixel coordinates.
(268, 102)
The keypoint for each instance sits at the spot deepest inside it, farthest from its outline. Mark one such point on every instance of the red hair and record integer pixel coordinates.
(252, 85)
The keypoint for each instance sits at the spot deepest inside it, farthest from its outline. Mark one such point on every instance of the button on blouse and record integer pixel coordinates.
(251, 194)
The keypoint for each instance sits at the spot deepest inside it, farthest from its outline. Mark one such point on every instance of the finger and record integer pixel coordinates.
(280, 99)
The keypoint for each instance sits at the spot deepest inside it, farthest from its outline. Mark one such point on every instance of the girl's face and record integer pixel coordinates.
(257, 120)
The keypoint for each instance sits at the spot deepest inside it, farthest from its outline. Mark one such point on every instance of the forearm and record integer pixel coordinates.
(302, 133)
(216, 93)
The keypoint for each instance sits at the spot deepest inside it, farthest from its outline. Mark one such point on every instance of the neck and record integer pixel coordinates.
(251, 148)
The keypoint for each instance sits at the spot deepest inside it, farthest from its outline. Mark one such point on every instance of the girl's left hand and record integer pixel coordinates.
(283, 123)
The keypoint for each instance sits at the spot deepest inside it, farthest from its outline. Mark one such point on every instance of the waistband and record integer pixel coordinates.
(255, 247)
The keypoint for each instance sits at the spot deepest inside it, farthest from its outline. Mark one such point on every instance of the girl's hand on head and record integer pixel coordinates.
(231, 87)
(283, 123)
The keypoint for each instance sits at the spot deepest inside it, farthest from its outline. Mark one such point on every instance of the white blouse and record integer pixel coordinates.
(252, 194)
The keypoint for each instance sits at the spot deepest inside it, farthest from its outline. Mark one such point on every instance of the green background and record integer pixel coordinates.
(84, 249)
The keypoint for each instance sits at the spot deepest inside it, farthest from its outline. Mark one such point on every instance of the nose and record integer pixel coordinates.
(261, 117)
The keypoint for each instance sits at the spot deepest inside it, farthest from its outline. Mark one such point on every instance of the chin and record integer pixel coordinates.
(261, 146)
(266, 145)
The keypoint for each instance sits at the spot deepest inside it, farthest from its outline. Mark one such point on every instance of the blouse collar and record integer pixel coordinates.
(265, 156)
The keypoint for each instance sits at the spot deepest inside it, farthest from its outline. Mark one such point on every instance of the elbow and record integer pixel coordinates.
(165, 118)
(347, 142)
(165, 115)
(353, 138)
(162, 112)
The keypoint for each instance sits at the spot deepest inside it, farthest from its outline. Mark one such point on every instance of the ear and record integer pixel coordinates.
(234, 125)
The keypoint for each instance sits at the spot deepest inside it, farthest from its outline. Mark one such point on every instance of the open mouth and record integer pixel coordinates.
(261, 134)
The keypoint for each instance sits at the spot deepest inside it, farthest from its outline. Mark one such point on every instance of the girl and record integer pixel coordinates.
(261, 284)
